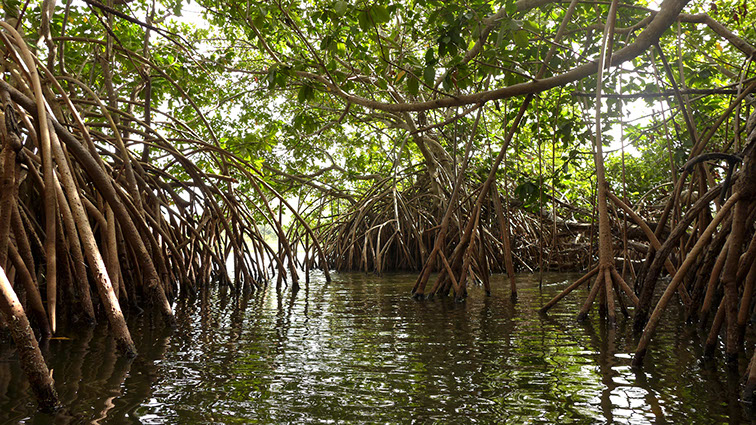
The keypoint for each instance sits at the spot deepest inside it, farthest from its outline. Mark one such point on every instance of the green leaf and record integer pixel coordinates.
(520, 38)
(530, 25)
(364, 21)
(510, 7)
(259, 21)
(340, 7)
(400, 76)
(503, 32)
(304, 94)
(271, 77)
(325, 42)
(429, 75)
(380, 14)
(429, 58)
(448, 84)
(413, 86)
(281, 79)
(456, 38)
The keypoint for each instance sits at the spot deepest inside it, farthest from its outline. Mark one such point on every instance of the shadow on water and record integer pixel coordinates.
(93, 382)
(360, 350)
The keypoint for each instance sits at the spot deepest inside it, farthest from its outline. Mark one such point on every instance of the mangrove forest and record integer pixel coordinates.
(384, 211)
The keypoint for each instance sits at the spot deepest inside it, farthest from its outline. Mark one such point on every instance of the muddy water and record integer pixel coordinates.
(359, 350)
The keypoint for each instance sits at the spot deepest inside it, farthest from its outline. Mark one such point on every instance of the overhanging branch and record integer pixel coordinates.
(669, 12)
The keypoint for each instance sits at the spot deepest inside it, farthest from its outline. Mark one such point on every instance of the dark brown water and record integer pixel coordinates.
(359, 350)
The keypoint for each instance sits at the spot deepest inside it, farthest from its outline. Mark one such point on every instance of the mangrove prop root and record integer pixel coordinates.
(27, 348)
(105, 229)
(653, 321)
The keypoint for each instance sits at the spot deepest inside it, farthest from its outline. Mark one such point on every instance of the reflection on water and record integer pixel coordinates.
(360, 350)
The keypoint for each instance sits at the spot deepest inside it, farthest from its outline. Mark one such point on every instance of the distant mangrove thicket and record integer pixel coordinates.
(153, 150)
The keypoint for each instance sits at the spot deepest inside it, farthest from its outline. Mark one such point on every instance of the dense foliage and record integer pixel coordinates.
(304, 90)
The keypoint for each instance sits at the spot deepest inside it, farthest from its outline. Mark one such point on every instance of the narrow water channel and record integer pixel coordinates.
(360, 350)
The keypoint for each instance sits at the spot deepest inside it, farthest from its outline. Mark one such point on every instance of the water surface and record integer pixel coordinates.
(360, 350)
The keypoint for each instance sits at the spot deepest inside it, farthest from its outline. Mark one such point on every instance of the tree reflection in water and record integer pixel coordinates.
(359, 350)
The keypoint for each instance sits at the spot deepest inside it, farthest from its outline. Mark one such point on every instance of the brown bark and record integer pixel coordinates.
(49, 197)
(504, 229)
(569, 289)
(7, 198)
(34, 297)
(652, 274)
(711, 340)
(608, 291)
(653, 321)
(9, 170)
(104, 186)
(745, 187)
(713, 280)
(74, 248)
(745, 303)
(597, 285)
(92, 252)
(27, 348)
(749, 391)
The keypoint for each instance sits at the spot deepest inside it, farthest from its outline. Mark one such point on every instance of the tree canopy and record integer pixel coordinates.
(325, 93)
